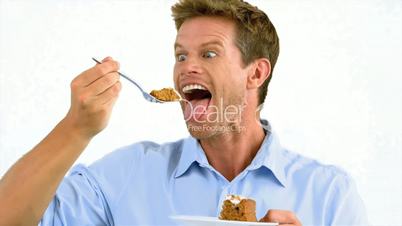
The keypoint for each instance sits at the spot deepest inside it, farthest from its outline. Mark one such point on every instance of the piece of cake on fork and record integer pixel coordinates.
(165, 94)
(238, 208)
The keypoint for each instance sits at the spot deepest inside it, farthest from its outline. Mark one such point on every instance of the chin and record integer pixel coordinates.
(203, 130)
(207, 130)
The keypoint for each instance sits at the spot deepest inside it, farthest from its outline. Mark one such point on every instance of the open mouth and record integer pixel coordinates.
(198, 99)
(196, 92)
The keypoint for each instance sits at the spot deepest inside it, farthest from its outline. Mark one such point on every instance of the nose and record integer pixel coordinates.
(190, 66)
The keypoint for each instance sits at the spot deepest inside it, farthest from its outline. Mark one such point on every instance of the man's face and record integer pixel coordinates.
(210, 75)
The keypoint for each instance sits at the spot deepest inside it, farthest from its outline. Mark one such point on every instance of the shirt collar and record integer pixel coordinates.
(191, 152)
(269, 156)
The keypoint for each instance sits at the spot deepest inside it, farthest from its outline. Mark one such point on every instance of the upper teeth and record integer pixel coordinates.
(191, 87)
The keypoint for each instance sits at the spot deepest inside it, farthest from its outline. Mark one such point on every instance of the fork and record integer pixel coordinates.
(146, 95)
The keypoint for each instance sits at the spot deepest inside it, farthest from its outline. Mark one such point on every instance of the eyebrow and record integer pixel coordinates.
(215, 42)
(176, 45)
(211, 43)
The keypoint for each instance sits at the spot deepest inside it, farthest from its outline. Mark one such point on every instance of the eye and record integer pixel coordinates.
(209, 54)
(181, 57)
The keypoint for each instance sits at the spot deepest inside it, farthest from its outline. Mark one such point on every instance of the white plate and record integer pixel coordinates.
(213, 221)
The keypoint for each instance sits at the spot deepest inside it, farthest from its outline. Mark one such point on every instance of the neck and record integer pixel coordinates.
(230, 153)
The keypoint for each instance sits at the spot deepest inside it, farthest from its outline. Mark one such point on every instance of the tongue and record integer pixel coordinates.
(196, 108)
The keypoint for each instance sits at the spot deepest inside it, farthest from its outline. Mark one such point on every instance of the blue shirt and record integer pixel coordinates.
(145, 183)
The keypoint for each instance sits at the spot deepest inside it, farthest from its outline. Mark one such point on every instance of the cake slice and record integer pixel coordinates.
(238, 208)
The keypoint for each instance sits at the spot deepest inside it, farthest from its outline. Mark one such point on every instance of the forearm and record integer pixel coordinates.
(28, 187)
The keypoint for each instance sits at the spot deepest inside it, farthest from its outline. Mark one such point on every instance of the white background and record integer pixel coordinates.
(336, 93)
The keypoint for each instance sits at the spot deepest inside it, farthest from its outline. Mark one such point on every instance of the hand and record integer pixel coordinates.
(93, 94)
(283, 217)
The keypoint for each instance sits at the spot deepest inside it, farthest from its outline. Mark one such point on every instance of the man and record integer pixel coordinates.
(225, 54)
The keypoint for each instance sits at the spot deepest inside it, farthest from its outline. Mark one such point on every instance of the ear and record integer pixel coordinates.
(259, 72)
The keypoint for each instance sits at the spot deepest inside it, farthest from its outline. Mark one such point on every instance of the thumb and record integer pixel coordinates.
(108, 58)
(281, 217)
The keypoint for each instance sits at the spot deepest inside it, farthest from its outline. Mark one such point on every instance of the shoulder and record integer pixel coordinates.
(122, 164)
(300, 168)
(329, 188)
(133, 154)
(115, 170)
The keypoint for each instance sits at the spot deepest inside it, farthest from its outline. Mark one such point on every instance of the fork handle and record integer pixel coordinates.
(124, 76)
(132, 81)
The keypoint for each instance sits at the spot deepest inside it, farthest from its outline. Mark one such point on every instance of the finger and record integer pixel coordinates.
(280, 216)
(107, 59)
(110, 59)
(89, 76)
(102, 84)
(110, 103)
(109, 95)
